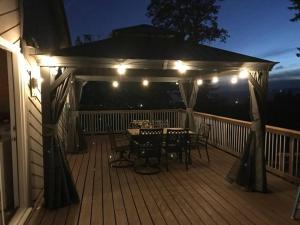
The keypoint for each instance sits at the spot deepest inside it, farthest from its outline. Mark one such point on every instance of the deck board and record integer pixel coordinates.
(201, 195)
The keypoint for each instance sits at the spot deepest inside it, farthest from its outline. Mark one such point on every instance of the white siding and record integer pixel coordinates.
(35, 139)
(9, 20)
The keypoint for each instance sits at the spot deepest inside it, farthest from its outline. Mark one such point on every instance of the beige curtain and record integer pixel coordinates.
(189, 91)
(250, 170)
(59, 188)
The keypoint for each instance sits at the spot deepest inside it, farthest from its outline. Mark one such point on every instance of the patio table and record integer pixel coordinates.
(134, 133)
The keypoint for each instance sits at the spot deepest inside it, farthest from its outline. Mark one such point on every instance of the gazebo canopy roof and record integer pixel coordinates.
(148, 42)
(156, 50)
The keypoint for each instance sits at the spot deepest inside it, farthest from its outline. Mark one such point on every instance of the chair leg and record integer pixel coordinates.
(190, 158)
(186, 159)
(167, 163)
(198, 148)
(207, 153)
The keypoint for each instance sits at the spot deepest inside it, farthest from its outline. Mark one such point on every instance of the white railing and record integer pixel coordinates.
(96, 122)
(282, 146)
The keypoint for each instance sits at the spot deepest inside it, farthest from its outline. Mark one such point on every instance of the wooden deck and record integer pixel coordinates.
(113, 196)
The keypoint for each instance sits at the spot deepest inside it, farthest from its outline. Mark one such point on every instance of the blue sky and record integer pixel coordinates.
(259, 28)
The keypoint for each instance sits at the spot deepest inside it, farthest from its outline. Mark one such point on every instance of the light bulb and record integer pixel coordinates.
(121, 69)
(234, 80)
(243, 74)
(181, 67)
(145, 83)
(199, 82)
(115, 84)
(215, 80)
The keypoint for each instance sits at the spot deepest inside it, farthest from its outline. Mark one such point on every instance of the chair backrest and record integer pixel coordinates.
(161, 123)
(204, 130)
(179, 137)
(151, 137)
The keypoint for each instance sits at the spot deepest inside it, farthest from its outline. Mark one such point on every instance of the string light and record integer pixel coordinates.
(145, 83)
(243, 74)
(121, 69)
(199, 82)
(215, 80)
(48, 61)
(181, 67)
(234, 80)
(53, 70)
(115, 84)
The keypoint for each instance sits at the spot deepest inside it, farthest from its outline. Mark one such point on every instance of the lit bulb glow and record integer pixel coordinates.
(115, 84)
(181, 67)
(53, 70)
(40, 81)
(48, 61)
(234, 80)
(145, 83)
(121, 69)
(215, 80)
(199, 82)
(244, 74)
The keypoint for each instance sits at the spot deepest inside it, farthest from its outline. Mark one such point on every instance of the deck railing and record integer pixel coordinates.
(282, 146)
(96, 122)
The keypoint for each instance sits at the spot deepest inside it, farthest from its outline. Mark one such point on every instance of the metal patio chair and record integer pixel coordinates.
(200, 140)
(120, 148)
(177, 142)
(148, 150)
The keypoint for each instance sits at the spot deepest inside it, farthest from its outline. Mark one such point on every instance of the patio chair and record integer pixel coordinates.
(177, 142)
(200, 140)
(148, 149)
(160, 123)
(120, 148)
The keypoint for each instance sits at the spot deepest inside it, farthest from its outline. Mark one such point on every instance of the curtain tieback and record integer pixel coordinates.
(189, 110)
(255, 124)
(50, 129)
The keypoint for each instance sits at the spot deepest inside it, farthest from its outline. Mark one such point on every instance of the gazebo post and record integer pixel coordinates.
(75, 143)
(250, 170)
(189, 92)
(46, 116)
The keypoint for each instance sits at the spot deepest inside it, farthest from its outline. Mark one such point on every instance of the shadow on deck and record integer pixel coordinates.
(199, 196)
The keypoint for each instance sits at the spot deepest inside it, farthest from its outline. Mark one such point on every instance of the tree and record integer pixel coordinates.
(195, 19)
(295, 6)
(78, 41)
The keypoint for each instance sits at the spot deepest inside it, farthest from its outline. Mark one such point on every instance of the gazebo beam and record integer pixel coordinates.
(159, 64)
(129, 78)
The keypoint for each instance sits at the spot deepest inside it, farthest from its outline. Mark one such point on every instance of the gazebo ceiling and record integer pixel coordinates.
(150, 51)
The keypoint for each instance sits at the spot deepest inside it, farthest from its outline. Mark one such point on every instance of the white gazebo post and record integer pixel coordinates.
(189, 91)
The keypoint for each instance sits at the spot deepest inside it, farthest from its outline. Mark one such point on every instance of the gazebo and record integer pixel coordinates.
(147, 53)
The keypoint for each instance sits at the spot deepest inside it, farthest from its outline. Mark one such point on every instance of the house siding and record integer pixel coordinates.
(10, 27)
(10, 30)
(35, 138)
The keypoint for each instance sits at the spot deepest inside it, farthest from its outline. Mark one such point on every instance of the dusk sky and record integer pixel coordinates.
(259, 28)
